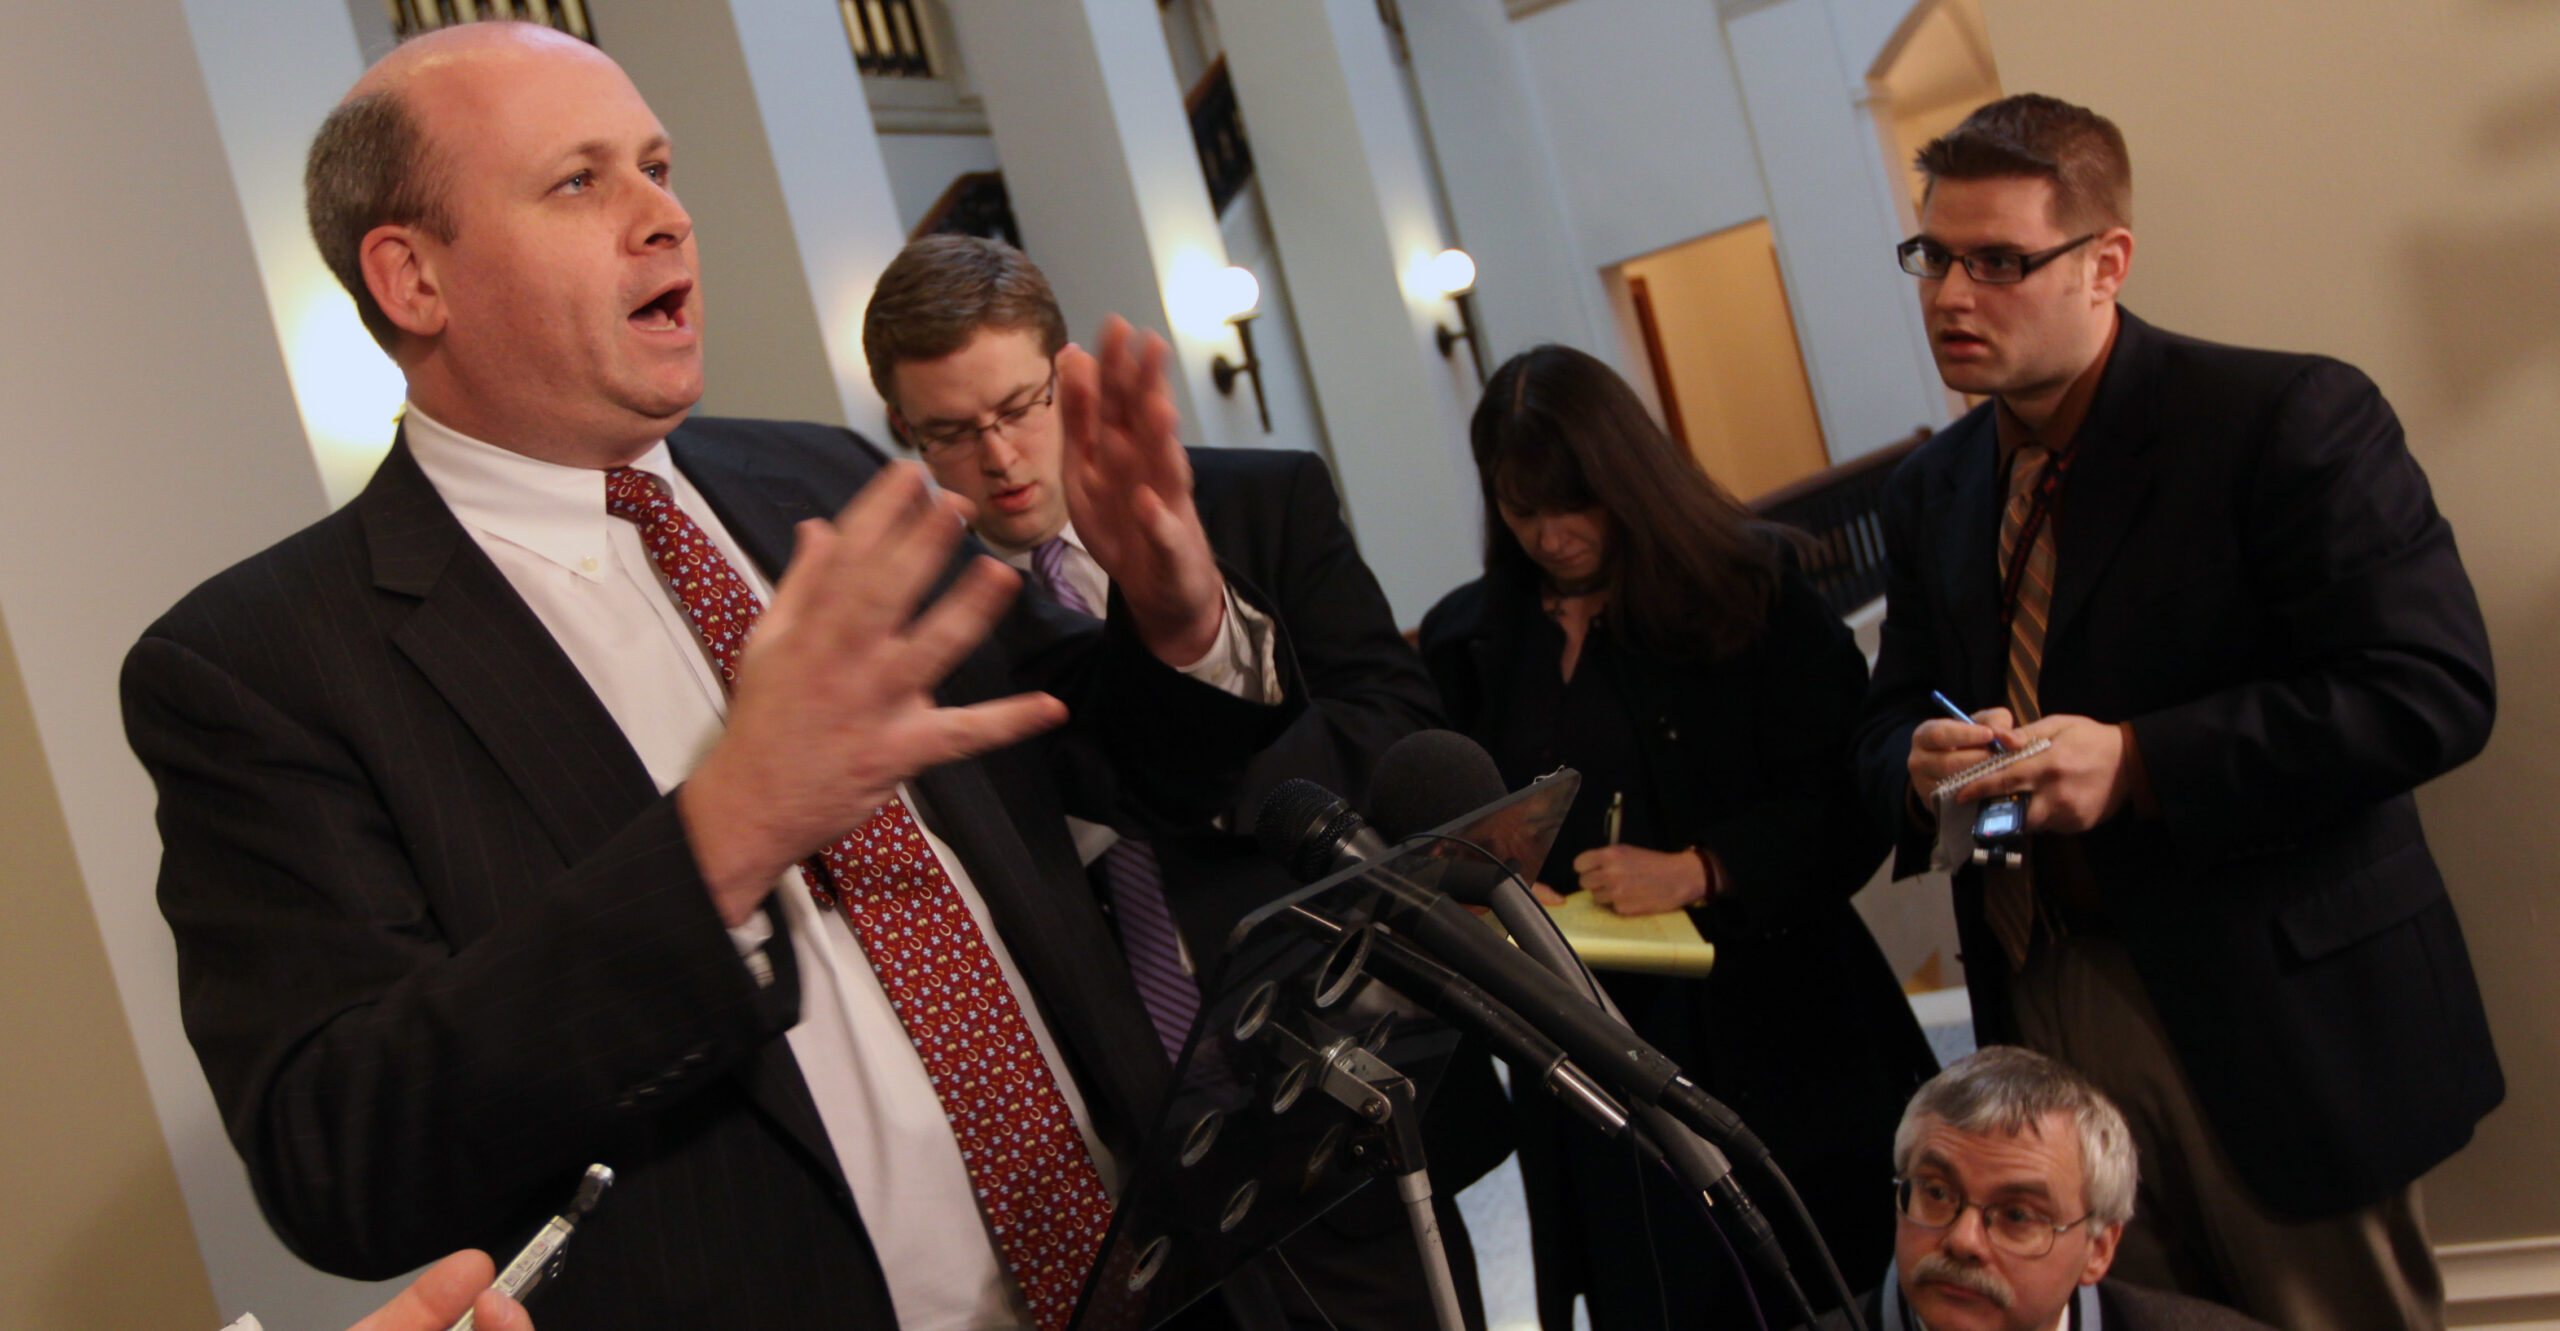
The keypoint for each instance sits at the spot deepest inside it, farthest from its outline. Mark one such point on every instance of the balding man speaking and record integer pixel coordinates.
(476, 795)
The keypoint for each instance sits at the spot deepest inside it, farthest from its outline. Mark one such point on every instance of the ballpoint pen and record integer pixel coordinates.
(1961, 715)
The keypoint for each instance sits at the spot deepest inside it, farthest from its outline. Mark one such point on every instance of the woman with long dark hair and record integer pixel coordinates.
(1634, 624)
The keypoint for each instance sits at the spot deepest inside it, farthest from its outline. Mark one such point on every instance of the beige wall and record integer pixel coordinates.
(84, 1175)
(1736, 371)
(2381, 181)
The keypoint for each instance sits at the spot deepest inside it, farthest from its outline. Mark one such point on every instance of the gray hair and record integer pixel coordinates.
(2008, 1090)
(369, 167)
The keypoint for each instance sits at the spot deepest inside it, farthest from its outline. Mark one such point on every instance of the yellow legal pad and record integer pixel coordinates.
(1665, 944)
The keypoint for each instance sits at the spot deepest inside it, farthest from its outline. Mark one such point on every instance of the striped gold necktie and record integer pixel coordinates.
(2008, 894)
(2028, 589)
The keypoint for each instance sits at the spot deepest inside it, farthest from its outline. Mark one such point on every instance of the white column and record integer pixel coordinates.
(1857, 315)
(273, 71)
(152, 437)
(1105, 183)
(1343, 176)
(835, 186)
(775, 159)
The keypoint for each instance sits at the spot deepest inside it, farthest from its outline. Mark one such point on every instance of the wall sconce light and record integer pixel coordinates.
(1238, 298)
(1454, 275)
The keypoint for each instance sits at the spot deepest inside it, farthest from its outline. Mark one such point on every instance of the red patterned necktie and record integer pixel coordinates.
(1035, 1183)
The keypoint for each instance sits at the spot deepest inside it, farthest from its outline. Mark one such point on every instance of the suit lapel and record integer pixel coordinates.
(2110, 479)
(1965, 503)
(483, 649)
(757, 503)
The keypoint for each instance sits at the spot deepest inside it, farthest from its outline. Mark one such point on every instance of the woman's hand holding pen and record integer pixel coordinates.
(1631, 880)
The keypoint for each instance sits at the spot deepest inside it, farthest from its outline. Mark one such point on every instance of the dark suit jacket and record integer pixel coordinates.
(1801, 1026)
(441, 942)
(2252, 572)
(1276, 525)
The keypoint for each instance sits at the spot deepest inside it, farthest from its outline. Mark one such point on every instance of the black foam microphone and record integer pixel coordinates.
(1428, 779)
(1313, 832)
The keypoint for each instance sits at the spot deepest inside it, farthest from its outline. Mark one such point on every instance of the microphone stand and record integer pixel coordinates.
(1696, 1161)
(1366, 1085)
(1649, 1079)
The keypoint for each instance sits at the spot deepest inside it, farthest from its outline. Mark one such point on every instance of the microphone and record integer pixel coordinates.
(1314, 832)
(1467, 1007)
(1431, 778)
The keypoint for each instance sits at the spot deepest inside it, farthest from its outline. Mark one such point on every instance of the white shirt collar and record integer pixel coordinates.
(555, 511)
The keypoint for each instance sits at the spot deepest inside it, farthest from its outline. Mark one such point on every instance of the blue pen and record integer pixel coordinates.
(1961, 715)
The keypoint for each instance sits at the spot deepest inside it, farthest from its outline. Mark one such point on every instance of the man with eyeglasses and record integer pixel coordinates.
(2014, 1180)
(608, 784)
(963, 336)
(2210, 588)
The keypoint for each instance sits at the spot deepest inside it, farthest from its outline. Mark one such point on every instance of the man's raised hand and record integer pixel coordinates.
(834, 700)
(1128, 490)
(1942, 748)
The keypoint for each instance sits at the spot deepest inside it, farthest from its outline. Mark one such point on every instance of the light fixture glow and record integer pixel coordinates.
(348, 390)
(1452, 273)
(1238, 294)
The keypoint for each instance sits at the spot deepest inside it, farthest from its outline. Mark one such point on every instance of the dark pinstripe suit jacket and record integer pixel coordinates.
(441, 942)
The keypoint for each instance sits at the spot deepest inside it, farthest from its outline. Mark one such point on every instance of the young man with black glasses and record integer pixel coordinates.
(2214, 581)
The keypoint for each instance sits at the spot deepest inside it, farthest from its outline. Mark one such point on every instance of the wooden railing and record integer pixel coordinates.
(1836, 508)
(411, 17)
(888, 38)
(1217, 133)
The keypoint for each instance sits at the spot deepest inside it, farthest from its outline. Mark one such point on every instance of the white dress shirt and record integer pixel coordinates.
(589, 579)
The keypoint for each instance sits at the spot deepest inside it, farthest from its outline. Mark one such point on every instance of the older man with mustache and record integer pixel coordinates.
(2014, 1178)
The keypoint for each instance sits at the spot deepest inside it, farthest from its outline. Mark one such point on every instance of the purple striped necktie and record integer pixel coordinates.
(1136, 883)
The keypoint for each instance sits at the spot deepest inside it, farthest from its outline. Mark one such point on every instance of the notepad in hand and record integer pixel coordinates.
(1664, 944)
(1947, 788)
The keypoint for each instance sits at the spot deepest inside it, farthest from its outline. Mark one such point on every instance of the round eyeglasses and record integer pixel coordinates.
(1923, 257)
(2020, 1229)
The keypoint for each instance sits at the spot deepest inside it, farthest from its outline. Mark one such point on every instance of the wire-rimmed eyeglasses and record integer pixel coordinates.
(960, 440)
(2019, 1229)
